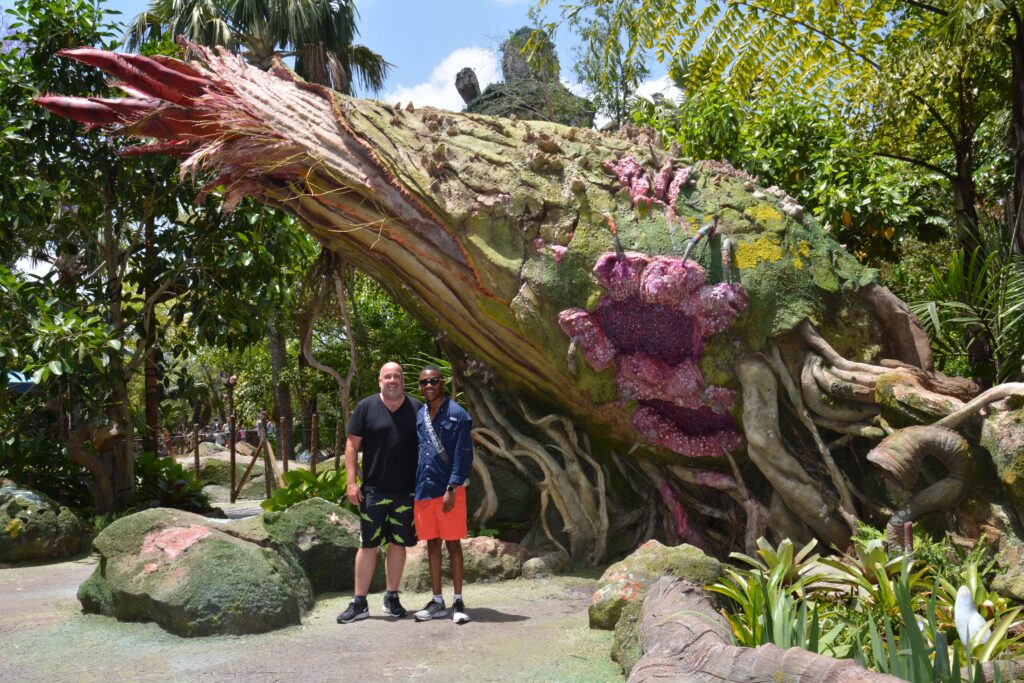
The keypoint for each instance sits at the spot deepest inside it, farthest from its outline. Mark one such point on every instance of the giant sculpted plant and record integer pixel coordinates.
(660, 345)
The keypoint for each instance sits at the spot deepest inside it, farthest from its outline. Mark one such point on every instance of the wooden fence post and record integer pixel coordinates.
(195, 447)
(231, 452)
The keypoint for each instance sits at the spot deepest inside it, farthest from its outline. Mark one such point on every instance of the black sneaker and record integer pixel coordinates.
(459, 615)
(393, 608)
(354, 612)
(433, 610)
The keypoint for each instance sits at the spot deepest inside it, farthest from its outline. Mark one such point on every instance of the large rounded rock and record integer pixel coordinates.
(33, 526)
(188, 575)
(1002, 435)
(626, 649)
(323, 536)
(216, 473)
(484, 559)
(627, 581)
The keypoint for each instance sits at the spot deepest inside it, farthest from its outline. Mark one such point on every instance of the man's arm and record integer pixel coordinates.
(462, 460)
(352, 491)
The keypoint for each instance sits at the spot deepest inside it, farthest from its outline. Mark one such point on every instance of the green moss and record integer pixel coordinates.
(626, 649)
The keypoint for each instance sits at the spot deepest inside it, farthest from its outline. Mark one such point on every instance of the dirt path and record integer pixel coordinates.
(523, 630)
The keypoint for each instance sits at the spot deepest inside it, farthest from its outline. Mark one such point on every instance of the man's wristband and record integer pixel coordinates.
(451, 488)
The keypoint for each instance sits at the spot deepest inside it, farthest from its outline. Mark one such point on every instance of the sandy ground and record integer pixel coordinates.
(522, 630)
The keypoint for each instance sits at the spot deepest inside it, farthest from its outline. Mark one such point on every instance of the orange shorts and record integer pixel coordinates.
(432, 522)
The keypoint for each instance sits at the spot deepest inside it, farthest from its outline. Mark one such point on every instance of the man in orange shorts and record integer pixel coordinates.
(446, 455)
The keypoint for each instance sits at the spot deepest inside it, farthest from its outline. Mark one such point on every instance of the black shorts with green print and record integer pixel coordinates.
(386, 517)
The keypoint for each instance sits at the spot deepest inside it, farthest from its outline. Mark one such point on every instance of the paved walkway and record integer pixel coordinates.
(522, 630)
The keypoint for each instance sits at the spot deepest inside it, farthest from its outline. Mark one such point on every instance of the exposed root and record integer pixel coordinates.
(831, 408)
(861, 429)
(846, 507)
(902, 456)
(757, 514)
(996, 393)
(580, 502)
(801, 493)
(489, 505)
(833, 384)
(825, 350)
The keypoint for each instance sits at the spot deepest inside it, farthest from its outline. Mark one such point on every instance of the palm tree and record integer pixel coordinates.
(319, 34)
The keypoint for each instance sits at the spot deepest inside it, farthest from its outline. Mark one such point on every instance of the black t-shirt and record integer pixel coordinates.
(390, 448)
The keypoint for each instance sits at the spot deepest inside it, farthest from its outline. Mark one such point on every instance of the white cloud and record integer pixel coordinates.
(661, 85)
(440, 90)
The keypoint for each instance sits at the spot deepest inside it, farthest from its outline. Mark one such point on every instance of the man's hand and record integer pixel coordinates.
(354, 494)
(448, 502)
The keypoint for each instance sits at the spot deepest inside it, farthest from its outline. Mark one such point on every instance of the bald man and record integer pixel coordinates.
(383, 427)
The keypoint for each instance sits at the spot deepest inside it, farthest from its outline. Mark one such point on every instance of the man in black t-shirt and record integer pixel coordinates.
(383, 427)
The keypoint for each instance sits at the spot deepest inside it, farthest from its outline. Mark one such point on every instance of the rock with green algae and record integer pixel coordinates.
(187, 574)
(1002, 435)
(33, 526)
(217, 473)
(627, 581)
(484, 559)
(322, 536)
(626, 649)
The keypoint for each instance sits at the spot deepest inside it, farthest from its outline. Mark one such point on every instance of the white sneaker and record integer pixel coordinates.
(459, 615)
(433, 610)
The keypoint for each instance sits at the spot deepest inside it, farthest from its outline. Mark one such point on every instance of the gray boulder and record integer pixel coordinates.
(1002, 435)
(33, 526)
(185, 573)
(485, 559)
(628, 581)
(322, 536)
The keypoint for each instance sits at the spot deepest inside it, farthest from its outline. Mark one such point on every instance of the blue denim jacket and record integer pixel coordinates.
(452, 425)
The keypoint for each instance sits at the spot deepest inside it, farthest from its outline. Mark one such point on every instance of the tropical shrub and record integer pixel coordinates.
(893, 614)
(161, 482)
(302, 485)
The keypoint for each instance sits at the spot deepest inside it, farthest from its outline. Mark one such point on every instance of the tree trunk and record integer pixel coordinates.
(282, 391)
(150, 436)
(597, 294)
(964, 189)
(122, 452)
(684, 638)
(1016, 208)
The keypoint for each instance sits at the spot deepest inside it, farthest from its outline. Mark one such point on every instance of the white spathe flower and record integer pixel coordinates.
(968, 620)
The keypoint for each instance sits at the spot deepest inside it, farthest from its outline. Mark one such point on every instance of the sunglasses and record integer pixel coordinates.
(430, 380)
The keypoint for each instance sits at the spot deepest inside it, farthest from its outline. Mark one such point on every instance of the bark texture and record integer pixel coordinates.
(685, 639)
(636, 332)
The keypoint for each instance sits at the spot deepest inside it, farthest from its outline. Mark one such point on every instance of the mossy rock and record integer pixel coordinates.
(1002, 435)
(628, 581)
(903, 403)
(218, 473)
(323, 537)
(626, 648)
(34, 526)
(185, 573)
(484, 560)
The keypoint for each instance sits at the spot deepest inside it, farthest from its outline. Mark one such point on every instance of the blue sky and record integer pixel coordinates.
(428, 41)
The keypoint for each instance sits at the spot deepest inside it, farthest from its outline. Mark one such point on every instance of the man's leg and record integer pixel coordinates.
(434, 559)
(455, 555)
(395, 565)
(366, 562)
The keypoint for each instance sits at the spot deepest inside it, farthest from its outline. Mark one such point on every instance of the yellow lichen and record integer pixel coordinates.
(805, 248)
(763, 213)
(14, 527)
(797, 263)
(764, 248)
